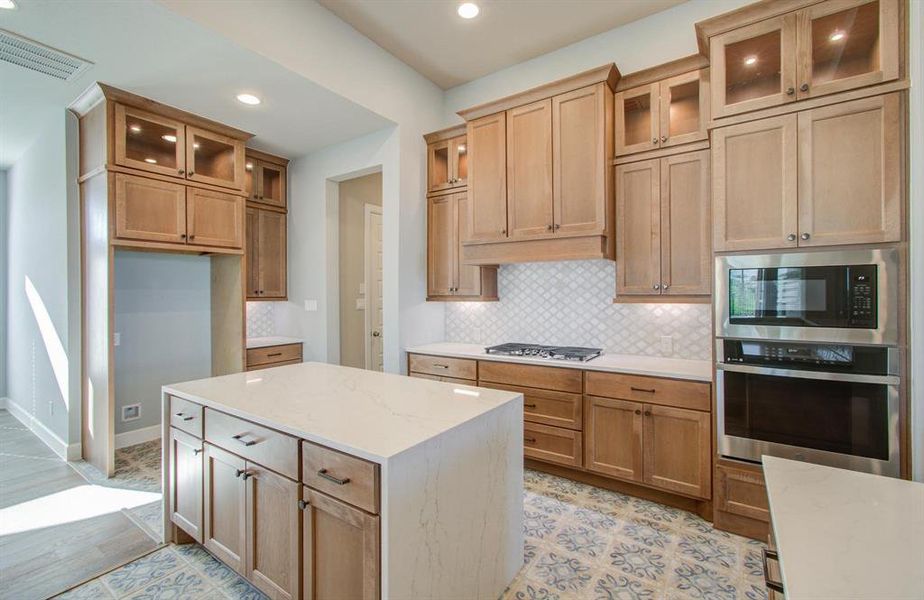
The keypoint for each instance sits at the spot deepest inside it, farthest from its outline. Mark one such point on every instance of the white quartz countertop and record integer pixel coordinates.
(843, 534)
(368, 414)
(677, 368)
(275, 340)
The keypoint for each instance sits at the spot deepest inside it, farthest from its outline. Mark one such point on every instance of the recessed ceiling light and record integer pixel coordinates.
(169, 138)
(468, 10)
(7, 4)
(135, 128)
(248, 99)
(150, 161)
(837, 36)
(750, 60)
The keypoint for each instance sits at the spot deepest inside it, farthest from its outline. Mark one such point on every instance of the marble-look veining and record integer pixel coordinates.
(271, 340)
(843, 534)
(677, 368)
(365, 413)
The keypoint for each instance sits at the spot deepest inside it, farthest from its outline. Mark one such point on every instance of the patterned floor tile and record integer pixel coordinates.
(694, 580)
(137, 574)
(561, 572)
(638, 561)
(610, 586)
(185, 583)
(710, 551)
(581, 540)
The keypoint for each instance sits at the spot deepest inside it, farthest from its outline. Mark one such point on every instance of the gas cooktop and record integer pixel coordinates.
(552, 352)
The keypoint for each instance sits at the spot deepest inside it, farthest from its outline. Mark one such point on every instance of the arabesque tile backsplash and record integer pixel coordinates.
(571, 303)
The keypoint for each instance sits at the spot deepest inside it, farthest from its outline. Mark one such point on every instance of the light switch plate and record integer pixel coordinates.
(362, 288)
(311, 305)
(360, 304)
(116, 338)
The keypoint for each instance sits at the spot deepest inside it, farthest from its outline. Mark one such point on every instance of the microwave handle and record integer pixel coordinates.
(818, 375)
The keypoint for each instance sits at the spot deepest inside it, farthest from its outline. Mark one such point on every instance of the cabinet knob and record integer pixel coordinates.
(790, 91)
(663, 138)
(504, 231)
(647, 413)
(180, 171)
(805, 236)
(197, 451)
(191, 173)
(791, 237)
(548, 227)
(804, 87)
(303, 504)
(665, 286)
(557, 226)
(656, 286)
(654, 140)
(182, 236)
(192, 237)
(638, 411)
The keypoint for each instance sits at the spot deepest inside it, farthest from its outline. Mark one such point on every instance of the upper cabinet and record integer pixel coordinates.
(447, 163)
(266, 225)
(265, 179)
(662, 114)
(540, 179)
(214, 158)
(824, 48)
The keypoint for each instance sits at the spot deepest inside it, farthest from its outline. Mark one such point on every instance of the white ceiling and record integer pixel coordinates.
(429, 36)
(145, 48)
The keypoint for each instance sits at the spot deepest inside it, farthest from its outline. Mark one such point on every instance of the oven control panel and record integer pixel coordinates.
(862, 296)
(807, 356)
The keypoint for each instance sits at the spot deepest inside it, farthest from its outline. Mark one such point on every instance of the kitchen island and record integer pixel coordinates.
(314, 480)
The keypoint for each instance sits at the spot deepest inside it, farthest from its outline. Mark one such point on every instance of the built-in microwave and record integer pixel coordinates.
(846, 296)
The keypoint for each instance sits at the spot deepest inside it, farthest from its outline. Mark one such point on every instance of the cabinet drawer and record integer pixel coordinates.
(273, 354)
(552, 444)
(742, 492)
(547, 407)
(459, 368)
(653, 390)
(272, 449)
(547, 378)
(275, 364)
(443, 379)
(186, 416)
(342, 476)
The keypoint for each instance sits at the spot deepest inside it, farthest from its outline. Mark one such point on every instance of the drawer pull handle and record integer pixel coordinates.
(303, 504)
(529, 406)
(243, 473)
(185, 417)
(439, 366)
(323, 473)
(776, 586)
(530, 440)
(239, 437)
(646, 390)
(274, 354)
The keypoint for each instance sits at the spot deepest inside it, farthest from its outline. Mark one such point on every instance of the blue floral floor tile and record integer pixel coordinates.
(609, 586)
(562, 572)
(185, 583)
(137, 574)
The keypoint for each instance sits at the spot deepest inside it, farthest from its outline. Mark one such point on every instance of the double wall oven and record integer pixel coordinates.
(807, 357)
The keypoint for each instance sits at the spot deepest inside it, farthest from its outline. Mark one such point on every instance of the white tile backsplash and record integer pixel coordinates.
(261, 319)
(571, 303)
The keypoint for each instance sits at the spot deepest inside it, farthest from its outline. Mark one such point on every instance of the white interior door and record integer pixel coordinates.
(373, 270)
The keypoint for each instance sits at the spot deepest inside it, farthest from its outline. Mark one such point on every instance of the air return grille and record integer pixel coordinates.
(37, 57)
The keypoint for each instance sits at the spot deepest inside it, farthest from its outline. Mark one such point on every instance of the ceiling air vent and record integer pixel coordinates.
(38, 57)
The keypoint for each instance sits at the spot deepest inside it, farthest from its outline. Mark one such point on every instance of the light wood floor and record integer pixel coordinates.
(39, 563)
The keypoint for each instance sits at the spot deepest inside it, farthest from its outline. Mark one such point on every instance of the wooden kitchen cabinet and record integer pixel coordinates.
(185, 478)
(529, 170)
(448, 277)
(613, 437)
(677, 450)
(447, 164)
(149, 142)
(741, 504)
(663, 221)
(225, 500)
(273, 533)
(487, 171)
(149, 209)
(340, 549)
(214, 218)
(823, 48)
(266, 255)
(214, 158)
(637, 119)
(265, 180)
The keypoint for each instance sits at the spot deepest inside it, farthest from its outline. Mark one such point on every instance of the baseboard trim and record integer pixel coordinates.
(64, 450)
(137, 436)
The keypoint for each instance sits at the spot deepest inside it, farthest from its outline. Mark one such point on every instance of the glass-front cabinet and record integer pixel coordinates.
(826, 48)
(447, 164)
(214, 158)
(637, 119)
(149, 142)
(265, 182)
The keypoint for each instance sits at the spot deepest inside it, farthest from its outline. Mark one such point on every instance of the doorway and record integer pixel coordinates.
(360, 268)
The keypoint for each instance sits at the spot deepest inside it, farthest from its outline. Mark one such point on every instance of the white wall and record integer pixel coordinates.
(4, 232)
(916, 19)
(43, 364)
(163, 316)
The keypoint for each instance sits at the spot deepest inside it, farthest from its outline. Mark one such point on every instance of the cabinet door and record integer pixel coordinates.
(529, 169)
(468, 278)
(268, 183)
(613, 437)
(753, 67)
(186, 483)
(149, 142)
(850, 165)
(271, 251)
(638, 228)
(741, 491)
(439, 166)
(149, 209)
(214, 158)
(224, 523)
(214, 218)
(487, 177)
(273, 533)
(579, 161)
(252, 249)
(678, 449)
(754, 202)
(340, 550)
(847, 44)
(637, 122)
(684, 108)
(686, 241)
(459, 153)
(441, 245)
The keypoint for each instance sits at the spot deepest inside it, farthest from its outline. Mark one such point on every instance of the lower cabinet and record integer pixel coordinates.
(224, 527)
(614, 437)
(552, 444)
(186, 477)
(341, 549)
(741, 503)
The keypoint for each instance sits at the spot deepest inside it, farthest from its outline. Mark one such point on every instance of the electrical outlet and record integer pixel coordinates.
(131, 412)
(667, 345)
(116, 338)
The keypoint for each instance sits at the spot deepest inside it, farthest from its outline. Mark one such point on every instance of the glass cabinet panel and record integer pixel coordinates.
(149, 142)
(637, 119)
(753, 68)
(461, 160)
(683, 108)
(214, 158)
(272, 184)
(438, 168)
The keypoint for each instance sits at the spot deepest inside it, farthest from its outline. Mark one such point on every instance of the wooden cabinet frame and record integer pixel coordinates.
(237, 146)
(151, 225)
(448, 277)
(529, 170)
(232, 235)
(652, 142)
(487, 206)
(236, 558)
(666, 140)
(283, 550)
(190, 522)
(122, 112)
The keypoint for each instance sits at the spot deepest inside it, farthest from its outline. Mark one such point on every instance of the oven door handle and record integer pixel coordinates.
(818, 375)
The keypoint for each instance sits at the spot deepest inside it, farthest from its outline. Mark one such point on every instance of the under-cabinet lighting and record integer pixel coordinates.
(248, 99)
(466, 392)
(169, 138)
(468, 10)
(135, 128)
(150, 161)
(249, 166)
(461, 147)
(7, 4)
(837, 36)
(750, 60)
